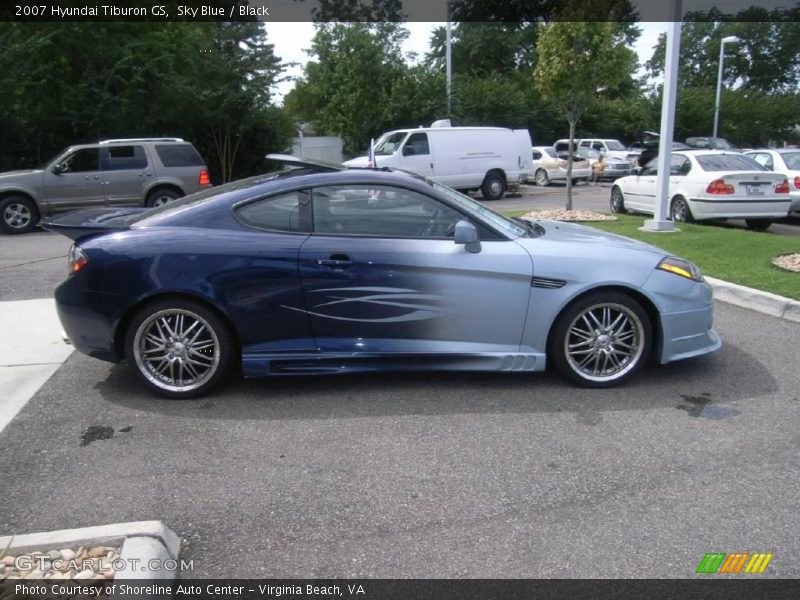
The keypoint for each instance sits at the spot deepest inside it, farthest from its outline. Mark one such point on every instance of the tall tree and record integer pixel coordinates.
(578, 61)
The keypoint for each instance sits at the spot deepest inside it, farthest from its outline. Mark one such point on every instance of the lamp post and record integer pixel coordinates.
(448, 60)
(731, 39)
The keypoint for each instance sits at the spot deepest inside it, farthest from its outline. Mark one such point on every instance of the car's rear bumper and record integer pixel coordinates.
(713, 208)
(614, 173)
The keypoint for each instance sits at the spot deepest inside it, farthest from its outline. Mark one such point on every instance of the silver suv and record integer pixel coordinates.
(129, 172)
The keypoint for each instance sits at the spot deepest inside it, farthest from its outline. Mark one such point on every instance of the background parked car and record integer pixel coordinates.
(122, 172)
(615, 167)
(548, 165)
(785, 161)
(708, 184)
(610, 148)
(711, 143)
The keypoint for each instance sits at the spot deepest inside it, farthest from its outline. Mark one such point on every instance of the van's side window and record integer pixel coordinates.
(416, 145)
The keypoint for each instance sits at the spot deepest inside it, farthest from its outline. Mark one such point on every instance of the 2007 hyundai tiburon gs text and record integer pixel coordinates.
(320, 269)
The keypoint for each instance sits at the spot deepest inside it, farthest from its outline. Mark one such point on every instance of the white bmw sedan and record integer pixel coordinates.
(708, 184)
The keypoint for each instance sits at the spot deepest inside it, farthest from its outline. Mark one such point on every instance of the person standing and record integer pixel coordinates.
(598, 168)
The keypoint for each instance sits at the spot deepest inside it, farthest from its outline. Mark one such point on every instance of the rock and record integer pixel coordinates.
(7, 560)
(54, 555)
(87, 574)
(109, 573)
(57, 575)
(67, 554)
(97, 552)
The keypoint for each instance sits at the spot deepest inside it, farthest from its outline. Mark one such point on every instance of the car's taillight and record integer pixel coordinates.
(76, 259)
(783, 187)
(204, 179)
(797, 182)
(718, 186)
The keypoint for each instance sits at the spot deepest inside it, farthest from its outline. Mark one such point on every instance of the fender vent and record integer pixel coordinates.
(548, 284)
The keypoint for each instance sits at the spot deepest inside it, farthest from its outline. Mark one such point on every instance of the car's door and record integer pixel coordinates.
(417, 156)
(126, 173)
(76, 181)
(381, 273)
(640, 190)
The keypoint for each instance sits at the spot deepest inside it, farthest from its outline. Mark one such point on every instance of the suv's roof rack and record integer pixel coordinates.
(127, 140)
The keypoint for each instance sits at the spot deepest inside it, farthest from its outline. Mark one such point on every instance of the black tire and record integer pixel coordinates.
(493, 187)
(18, 214)
(680, 211)
(542, 178)
(573, 341)
(758, 224)
(212, 360)
(617, 201)
(161, 196)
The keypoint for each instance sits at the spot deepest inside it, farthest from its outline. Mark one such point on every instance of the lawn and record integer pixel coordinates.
(735, 255)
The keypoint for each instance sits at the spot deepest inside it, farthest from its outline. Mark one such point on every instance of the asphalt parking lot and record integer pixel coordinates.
(451, 475)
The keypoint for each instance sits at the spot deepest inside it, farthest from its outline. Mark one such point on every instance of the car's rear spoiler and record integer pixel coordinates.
(80, 223)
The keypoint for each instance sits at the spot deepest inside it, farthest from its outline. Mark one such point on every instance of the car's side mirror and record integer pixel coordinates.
(58, 168)
(467, 234)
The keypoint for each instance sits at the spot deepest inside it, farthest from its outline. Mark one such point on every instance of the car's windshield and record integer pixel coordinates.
(728, 162)
(473, 206)
(203, 196)
(388, 144)
(614, 145)
(792, 160)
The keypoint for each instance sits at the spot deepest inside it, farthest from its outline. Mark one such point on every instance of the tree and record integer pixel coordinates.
(577, 61)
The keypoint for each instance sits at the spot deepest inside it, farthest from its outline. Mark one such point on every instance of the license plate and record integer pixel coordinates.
(753, 189)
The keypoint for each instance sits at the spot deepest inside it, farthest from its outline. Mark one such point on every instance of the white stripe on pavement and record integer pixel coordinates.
(31, 350)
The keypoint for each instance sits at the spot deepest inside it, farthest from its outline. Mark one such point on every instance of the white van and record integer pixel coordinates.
(492, 159)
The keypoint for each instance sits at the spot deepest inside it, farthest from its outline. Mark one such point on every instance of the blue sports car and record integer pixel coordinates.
(319, 270)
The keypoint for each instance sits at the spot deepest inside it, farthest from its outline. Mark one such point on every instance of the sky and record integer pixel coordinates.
(291, 39)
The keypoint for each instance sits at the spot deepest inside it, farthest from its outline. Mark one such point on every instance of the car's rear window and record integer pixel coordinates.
(728, 162)
(179, 155)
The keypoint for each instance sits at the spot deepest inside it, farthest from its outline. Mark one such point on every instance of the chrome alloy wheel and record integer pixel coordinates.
(604, 342)
(17, 215)
(176, 350)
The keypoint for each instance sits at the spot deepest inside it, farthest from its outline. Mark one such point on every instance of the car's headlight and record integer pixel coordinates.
(681, 267)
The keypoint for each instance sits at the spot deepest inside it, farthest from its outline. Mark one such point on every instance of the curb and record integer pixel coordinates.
(763, 302)
(142, 541)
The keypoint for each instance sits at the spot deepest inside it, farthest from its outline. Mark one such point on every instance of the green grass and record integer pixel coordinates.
(735, 255)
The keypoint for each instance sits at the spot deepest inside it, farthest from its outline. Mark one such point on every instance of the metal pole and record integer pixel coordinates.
(719, 87)
(448, 60)
(659, 221)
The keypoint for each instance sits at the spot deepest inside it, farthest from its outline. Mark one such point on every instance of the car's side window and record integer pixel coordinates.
(381, 211)
(598, 146)
(287, 212)
(679, 165)
(651, 168)
(537, 155)
(416, 145)
(121, 158)
(82, 161)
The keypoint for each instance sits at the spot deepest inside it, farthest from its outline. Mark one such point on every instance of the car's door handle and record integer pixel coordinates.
(335, 260)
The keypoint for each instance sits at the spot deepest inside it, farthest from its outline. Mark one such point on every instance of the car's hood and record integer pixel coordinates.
(20, 172)
(593, 239)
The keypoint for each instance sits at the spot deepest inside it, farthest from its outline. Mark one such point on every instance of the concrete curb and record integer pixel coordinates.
(142, 542)
(763, 302)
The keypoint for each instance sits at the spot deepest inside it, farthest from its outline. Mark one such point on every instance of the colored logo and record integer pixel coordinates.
(737, 562)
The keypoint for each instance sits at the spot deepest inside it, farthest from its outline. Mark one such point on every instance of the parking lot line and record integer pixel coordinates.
(32, 350)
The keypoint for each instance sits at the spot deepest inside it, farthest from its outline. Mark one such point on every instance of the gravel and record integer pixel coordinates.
(569, 215)
(84, 563)
(790, 262)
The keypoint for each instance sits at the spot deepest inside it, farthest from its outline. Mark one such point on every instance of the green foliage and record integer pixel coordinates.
(66, 83)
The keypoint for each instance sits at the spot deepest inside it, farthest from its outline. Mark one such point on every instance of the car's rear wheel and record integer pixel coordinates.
(161, 196)
(601, 340)
(542, 178)
(758, 224)
(18, 214)
(494, 186)
(680, 210)
(180, 348)
(617, 201)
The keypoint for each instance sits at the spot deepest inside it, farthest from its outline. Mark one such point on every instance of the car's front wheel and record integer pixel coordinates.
(18, 214)
(180, 348)
(601, 340)
(617, 201)
(494, 186)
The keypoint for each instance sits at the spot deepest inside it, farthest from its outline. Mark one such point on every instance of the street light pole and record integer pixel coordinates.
(448, 60)
(731, 39)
